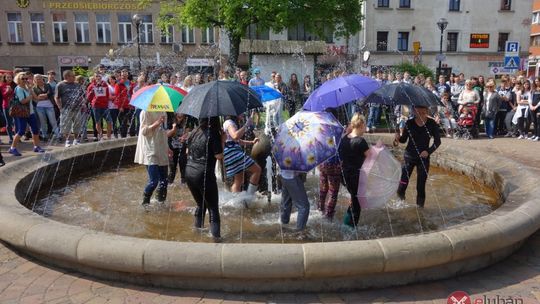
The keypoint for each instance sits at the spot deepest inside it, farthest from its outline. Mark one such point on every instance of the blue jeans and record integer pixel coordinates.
(47, 114)
(9, 124)
(113, 119)
(490, 126)
(373, 115)
(157, 177)
(294, 192)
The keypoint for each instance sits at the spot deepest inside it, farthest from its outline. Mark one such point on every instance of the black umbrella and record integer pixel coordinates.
(404, 94)
(219, 98)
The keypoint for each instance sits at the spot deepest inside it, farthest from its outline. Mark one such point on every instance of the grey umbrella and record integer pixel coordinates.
(219, 98)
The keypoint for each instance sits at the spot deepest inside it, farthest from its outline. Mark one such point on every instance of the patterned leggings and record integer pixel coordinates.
(329, 183)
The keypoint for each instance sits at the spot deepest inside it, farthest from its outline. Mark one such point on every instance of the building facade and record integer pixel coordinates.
(534, 48)
(473, 42)
(61, 34)
(40, 35)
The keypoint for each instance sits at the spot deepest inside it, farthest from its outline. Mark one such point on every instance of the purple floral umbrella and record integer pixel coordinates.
(306, 140)
(340, 91)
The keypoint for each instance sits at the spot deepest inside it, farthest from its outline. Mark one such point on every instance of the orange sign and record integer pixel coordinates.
(479, 41)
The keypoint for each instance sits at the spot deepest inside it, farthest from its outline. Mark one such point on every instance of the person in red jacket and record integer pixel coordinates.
(123, 91)
(97, 94)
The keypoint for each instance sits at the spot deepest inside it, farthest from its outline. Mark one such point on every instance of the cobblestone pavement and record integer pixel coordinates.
(25, 280)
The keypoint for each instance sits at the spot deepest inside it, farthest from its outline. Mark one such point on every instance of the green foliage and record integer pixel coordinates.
(415, 69)
(82, 71)
(340, 16)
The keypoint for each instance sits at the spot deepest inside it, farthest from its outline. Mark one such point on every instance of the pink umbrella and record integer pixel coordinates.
(379, 177)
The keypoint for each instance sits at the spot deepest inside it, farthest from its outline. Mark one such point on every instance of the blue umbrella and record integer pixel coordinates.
(267, 93)
(339, 91)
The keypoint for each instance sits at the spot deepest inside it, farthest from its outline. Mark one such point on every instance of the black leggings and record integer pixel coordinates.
(179, 159)
(422, 172)
(351, 182)
(536, 120)
(205, 192)
(524, 123)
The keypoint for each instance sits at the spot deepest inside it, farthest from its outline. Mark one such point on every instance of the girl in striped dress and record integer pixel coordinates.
(235, 159)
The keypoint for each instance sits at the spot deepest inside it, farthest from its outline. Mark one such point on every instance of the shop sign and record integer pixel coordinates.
(94, 5)
(200, 62)
(73, 60)
(479, 41)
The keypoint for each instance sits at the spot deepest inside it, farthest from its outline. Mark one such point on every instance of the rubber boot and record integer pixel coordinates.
(199, 219)
(401, 192)
(420, 201)
(215, 229)
(146, 201)
(161, 194)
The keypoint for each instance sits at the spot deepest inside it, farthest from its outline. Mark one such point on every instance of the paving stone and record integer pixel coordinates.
(24, 280)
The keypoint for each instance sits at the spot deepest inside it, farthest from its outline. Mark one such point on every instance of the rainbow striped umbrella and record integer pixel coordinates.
(158, 98)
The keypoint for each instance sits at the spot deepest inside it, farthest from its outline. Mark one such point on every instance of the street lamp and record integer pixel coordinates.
(442, 24)
(136, 19)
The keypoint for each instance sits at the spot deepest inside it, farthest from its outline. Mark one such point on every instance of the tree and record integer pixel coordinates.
(235, 16)
(415, 69)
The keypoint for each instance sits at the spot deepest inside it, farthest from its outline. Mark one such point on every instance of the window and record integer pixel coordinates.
(454, 5)
(382, 41)
(254, 33)
(403, 41)
(167, 34)
(501, 45)
(296, 32)
(535, 41)
(15, 27)
(404, 3)
(146, 30)
(124, 28)
(103, 25)
(38, 27)
(383, 3)
(451, 42)
(208, 35)
(60, 27)
(82, 28)
(187, 35)
(535, 18)
(506, 5)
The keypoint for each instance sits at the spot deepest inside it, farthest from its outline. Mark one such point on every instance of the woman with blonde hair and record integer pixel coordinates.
(24, 95)
(353, 150)
(188, 83)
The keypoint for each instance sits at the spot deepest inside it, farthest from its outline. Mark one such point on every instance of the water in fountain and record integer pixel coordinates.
(117, 209)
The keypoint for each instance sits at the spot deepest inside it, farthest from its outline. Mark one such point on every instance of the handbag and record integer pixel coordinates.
(17, 109)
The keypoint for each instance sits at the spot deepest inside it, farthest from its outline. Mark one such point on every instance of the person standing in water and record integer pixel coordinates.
(417, 134)
(152, 151)
(204, 149)
(353, 150)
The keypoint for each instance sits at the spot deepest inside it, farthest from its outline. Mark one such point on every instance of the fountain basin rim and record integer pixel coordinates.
(504, 228)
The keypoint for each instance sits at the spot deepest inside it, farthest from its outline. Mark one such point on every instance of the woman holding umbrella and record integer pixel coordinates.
(235, 159)
(353, 150)
(152, 151)
(417, 134)
(204, 148)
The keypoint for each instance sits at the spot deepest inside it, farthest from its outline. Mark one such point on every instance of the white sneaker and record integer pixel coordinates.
(68, 144)
(521, 137)
(76, 142)
(530, 138)
(536, 139)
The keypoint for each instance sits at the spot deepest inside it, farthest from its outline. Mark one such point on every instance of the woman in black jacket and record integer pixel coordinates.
(417, 134)
(204, 148)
